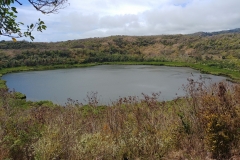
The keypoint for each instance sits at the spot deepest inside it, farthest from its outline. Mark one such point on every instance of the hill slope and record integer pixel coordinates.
(218, 50)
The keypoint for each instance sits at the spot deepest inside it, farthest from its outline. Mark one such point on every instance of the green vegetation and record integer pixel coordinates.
(202, 125)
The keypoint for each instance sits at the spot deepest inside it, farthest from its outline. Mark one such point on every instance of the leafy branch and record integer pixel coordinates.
(8, 14)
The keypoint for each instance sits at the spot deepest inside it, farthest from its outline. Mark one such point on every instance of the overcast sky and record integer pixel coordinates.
(101, 18)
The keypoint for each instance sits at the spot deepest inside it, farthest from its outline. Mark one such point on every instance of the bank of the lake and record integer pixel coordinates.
(233, 75)
(4, 71)
(109, 81)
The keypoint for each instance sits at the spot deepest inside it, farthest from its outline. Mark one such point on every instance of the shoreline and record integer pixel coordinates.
(232, 76)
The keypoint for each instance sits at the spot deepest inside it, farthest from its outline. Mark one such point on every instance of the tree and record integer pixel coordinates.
(8, 14)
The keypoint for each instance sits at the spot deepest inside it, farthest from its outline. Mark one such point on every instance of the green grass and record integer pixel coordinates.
(203, 68)
(2, 84)
(37, 68)
(233, 74)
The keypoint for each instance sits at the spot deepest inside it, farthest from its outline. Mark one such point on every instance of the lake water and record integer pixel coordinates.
(110, 81)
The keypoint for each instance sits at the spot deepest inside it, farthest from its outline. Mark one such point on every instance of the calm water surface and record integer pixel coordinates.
(110, 81)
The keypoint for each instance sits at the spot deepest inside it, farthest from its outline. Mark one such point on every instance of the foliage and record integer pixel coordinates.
(214, 116)
(19, 95)
(8, 14)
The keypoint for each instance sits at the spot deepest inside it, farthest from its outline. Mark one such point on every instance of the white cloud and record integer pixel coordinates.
(94, 18)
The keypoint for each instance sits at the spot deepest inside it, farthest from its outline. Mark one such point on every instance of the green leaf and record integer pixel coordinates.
(31, 26)
(32, 38)
(44, 27)
(41, 22)
(14, 9)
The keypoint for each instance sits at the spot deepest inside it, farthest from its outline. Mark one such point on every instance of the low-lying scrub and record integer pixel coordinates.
(204, 124)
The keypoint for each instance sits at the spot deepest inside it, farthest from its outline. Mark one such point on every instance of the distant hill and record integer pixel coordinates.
(184, 48)
(236, 30)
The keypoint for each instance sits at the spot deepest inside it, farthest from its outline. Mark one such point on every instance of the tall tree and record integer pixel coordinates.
(8, 14)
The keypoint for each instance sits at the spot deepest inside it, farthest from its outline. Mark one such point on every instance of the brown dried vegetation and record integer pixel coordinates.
(204, 124)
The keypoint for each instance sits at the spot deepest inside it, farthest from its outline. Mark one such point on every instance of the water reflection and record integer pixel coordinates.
(110, 81)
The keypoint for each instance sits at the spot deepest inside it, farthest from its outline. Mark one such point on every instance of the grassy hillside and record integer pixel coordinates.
(218, 50)
(170, 47)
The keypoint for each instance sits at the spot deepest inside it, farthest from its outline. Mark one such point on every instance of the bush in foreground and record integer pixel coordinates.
(205, 121)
